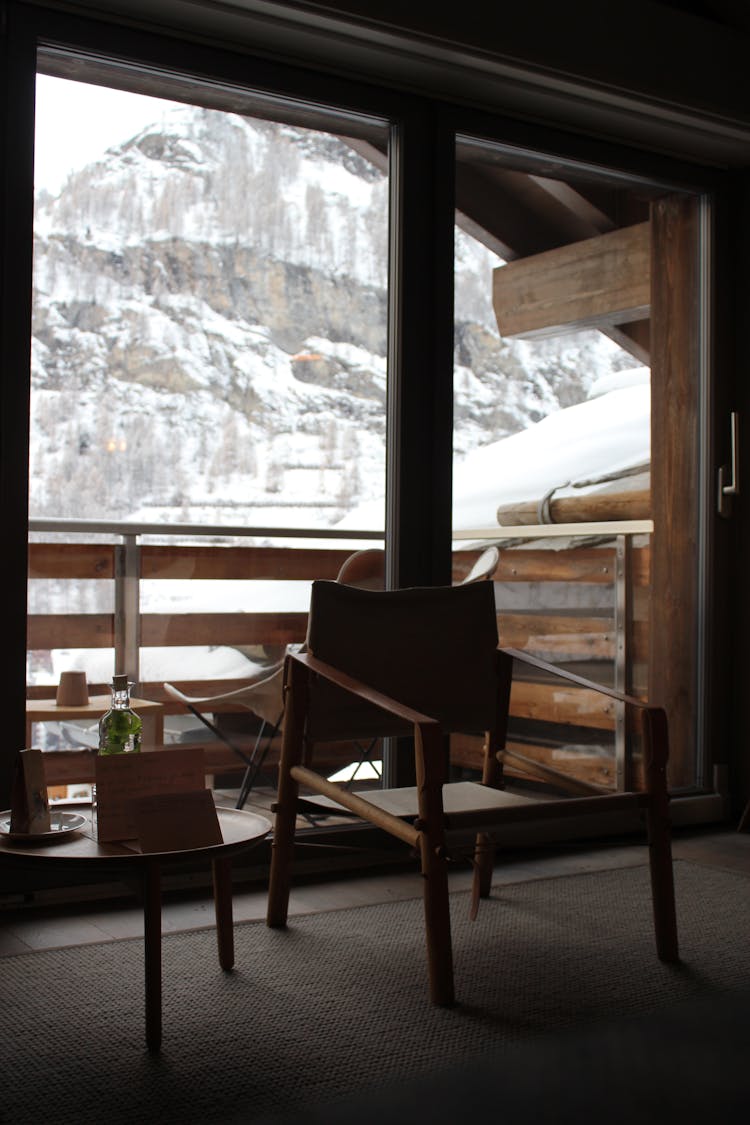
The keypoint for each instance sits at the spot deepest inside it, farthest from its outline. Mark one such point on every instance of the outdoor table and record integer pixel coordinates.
(49, 711)
(79, 850)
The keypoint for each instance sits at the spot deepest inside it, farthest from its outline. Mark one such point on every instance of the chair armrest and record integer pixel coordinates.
(362, 690)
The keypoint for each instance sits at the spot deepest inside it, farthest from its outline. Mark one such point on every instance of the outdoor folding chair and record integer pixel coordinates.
(262, 695)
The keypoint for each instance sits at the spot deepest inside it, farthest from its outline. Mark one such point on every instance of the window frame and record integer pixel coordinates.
(419, 453)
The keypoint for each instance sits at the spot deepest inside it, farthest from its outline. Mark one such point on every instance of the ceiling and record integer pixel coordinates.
(666, 75)
(732, 14)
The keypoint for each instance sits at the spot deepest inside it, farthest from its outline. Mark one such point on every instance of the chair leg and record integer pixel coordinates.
(365, 757)
(484, 862)
(219, 733)
(744, 824)
(254, 766)
(286, 808)
(251, 770)
(437, 926)
(434, 868)
(662, 885)
(659, 835)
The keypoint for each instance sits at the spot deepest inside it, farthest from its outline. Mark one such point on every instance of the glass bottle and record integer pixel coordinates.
(120, 727)
(119, 733)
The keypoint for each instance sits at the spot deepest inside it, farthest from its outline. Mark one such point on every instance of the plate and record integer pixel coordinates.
(61, 825)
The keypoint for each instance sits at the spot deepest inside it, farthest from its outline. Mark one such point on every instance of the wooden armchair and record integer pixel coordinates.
(425, 662)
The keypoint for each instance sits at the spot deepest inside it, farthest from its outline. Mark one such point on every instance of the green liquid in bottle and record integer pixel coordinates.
(119, 733)
(120, 728)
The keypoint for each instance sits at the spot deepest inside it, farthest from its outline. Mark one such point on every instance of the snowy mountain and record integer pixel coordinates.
(210, 334)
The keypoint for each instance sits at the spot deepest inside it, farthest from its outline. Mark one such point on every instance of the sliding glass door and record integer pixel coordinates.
(278, 316)
(576, 435)
(209, 386)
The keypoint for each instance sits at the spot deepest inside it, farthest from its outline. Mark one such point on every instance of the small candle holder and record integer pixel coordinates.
(73, 690)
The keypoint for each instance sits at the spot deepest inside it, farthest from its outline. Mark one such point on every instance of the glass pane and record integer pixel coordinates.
(209, 343)
(552, 436)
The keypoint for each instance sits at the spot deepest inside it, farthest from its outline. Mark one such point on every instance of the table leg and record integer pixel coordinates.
(222, 869)
(152, 944)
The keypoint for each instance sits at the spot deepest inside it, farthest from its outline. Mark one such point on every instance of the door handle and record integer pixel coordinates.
(729, 475)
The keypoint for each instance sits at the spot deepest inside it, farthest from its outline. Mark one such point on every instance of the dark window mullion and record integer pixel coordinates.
(420, 410)
(420, 367)
(18, 67)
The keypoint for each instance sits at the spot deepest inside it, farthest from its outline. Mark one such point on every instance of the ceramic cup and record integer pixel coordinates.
(72, 691)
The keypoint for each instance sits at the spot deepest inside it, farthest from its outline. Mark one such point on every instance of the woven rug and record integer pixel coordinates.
(336, 1005)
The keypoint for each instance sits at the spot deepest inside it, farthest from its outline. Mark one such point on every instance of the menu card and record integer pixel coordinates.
(125, 780)
(29, 806)
(177, 822)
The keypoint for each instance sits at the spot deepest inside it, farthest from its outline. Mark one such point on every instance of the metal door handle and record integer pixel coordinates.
(729, 475)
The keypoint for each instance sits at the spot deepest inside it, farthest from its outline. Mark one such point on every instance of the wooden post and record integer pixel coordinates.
(675, 391)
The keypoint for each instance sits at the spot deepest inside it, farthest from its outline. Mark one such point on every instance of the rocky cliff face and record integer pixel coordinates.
(210, 332)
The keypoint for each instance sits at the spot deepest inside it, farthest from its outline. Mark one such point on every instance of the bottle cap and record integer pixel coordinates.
(120, 683)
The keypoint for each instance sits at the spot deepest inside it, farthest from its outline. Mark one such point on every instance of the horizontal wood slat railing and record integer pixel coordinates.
(583, 637)
(567, 637)
(590, 770)
(71, 560)
(563, 705)
(570, 638)
(86, 560)
(593, 565)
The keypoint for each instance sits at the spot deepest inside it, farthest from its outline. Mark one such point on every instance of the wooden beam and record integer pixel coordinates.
(634, 338)
(512, 213)
(629, 504)
(601, 281)
(675, 407)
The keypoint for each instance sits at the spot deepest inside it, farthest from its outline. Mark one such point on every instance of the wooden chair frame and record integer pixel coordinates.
(426, 834)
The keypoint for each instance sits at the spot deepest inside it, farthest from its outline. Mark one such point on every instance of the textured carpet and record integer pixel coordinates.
(336, 1006)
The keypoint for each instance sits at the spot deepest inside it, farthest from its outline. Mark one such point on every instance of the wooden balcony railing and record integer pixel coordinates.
(598, 628)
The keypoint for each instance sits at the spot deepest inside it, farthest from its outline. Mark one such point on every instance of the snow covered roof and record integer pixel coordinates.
(607, 434)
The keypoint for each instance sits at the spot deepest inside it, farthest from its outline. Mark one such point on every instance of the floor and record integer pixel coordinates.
(24, 929)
